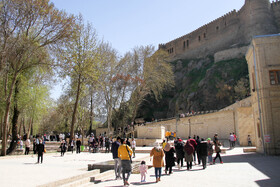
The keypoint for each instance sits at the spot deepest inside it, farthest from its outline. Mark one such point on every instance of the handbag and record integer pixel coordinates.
(129, 155)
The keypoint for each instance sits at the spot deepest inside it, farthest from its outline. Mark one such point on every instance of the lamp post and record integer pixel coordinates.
(177, 119)
(189, 127)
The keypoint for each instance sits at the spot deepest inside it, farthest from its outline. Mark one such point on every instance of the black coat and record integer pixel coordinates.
(114, 149)
(202, 149)
(63, 147)
(78, 143)
(169, 157)
(179, 147)
(40, 148)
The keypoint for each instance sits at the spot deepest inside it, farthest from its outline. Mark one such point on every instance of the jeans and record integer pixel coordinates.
(127, 177)
(194, 157)
(78, 149)
(40, 155)
(126, 168)
(117, 167)
(26, 150)
(133, 149)
(210, 159)
(203, 159)
(249, 143)
(158, 172)
(231, 144)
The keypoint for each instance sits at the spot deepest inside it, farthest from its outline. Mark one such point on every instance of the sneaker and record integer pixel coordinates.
(222, 162)
(213, 161)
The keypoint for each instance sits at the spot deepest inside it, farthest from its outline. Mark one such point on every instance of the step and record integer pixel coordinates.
(77, 182)
(102, 176)
(249, 149)
(72, 179)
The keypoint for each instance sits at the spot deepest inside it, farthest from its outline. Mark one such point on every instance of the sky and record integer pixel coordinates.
(126, 24)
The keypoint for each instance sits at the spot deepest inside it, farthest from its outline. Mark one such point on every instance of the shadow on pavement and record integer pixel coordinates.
(30, 163)
(268, 165)
(142, 183)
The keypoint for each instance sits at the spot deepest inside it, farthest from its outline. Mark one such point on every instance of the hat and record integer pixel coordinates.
(209, 139)
(180, 140)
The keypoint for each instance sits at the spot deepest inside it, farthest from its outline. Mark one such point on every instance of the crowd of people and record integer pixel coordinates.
(192, 151)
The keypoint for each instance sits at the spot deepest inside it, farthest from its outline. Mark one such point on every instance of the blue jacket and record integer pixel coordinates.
(115, 147)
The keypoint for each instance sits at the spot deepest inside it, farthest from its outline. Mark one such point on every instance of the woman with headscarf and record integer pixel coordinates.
(189, 149)
(179, 148)
(157, 154)
(63, 147)
(169, 158)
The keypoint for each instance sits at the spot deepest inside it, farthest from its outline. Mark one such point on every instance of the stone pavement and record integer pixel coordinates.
(239, 169)
(22, 170)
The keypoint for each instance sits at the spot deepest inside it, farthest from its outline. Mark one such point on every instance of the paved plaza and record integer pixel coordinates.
(239, 169)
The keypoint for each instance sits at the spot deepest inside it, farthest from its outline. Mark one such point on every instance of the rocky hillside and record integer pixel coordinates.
(201, 84)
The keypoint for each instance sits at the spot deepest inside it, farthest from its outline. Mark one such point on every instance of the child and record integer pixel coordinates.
(143, 170)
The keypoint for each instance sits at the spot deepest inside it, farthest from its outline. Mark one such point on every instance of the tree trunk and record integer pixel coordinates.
(75, 109)
(15, 137)
(23, 124)
(31, 127)
(91, 115)
(1, 128)
(109, 120)
(20, 127)
(6, 117)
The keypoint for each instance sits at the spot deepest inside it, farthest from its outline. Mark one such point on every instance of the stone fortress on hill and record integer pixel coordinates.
(254, 32)
(231, 31)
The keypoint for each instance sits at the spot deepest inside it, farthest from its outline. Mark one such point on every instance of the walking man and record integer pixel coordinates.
(117, 166)
(125, 153)
(78, 144)
(133, 146)
(40, 151)
(202, 151)
(231, 140)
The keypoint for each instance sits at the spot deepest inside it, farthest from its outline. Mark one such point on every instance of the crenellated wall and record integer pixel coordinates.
(275, 7)
(234, 29)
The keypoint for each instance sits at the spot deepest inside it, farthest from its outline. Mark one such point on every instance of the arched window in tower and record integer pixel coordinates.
(217, 28)
(204, 35)
(184, 45)
(198, 38)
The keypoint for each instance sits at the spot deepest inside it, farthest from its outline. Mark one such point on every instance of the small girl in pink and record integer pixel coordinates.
(143, 170)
